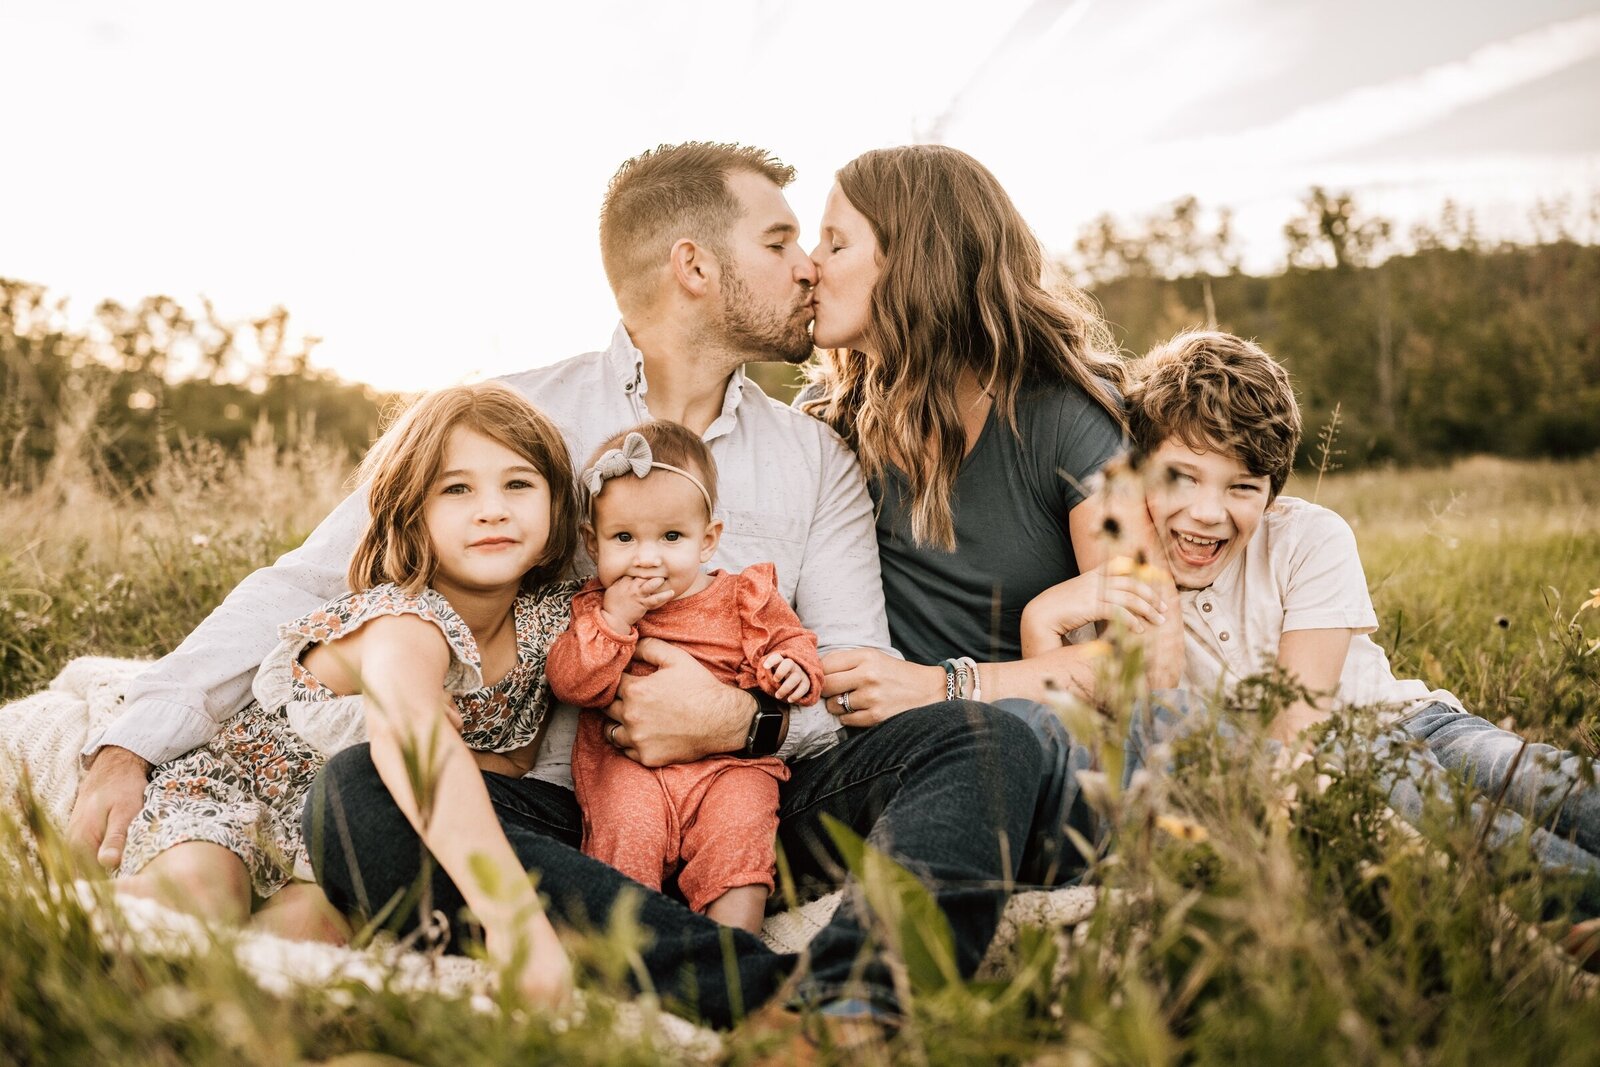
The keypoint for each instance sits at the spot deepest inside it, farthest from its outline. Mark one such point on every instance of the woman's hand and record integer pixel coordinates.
(1115, 590)
(875, 686)
(544, 978)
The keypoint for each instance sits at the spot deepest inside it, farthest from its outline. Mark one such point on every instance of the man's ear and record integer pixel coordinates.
(693, 266)
(712, 538)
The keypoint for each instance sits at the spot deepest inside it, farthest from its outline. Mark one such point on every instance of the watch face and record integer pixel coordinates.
(764, 732)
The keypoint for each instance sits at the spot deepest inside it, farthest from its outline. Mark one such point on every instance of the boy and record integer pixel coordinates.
(1267, 579)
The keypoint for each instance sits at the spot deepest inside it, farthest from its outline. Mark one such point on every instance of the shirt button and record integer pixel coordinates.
(1223, 635)
(1206, 606)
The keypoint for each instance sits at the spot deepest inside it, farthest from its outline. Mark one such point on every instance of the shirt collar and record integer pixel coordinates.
(626, 364)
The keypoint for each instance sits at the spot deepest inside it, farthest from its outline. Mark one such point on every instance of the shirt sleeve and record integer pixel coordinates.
(182, 700)
(767, 624)
(1087, 438)
(1324, 585)
(585, 664)
(839, 593)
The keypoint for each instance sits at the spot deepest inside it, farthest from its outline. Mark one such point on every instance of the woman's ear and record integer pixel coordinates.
(709, 542)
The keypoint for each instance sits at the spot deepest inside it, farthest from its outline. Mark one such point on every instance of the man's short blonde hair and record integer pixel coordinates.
(1218, 392)
(671, 192)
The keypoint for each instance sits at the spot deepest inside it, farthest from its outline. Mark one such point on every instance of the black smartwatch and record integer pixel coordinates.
(768, 728)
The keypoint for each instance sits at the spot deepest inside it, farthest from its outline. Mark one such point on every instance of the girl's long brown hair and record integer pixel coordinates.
(961, 287)
(405, 462)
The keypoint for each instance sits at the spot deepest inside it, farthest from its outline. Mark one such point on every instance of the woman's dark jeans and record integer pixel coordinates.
(949, 790)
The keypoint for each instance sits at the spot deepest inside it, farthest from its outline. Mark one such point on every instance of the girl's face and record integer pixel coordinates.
(848, 263)
(487, 515)
(1206, 506)
(652, 527)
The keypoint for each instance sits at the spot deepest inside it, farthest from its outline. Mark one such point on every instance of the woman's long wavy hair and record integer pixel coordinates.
(402, 466)
(961, 286)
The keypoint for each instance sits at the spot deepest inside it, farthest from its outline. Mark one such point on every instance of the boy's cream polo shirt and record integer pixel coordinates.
(1300, 571)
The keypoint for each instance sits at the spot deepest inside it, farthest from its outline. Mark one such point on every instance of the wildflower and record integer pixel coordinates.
(1592, 602)
(200, 540)
(1182, 827)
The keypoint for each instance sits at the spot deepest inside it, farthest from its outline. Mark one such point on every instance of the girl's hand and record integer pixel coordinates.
(793, 683)
(877, 685)
(545, 977)
(1115, 590)
(629, 599)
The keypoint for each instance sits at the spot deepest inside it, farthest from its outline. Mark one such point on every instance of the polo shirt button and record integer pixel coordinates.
(1206, 606)
(1223, 635)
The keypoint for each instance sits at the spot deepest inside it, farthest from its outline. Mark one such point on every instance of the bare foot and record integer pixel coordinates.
(300, 912)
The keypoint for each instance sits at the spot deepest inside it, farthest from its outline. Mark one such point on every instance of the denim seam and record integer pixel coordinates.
(897, 770)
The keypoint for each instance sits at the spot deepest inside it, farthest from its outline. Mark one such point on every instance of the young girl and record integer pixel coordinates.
(652, 495)
(453, 603)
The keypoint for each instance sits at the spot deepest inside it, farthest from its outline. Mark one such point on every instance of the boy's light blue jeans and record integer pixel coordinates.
(1552, 792)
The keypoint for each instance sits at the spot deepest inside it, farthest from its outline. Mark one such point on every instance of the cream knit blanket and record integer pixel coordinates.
(45, 732)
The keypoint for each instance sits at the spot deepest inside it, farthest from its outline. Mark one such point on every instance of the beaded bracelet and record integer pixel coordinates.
(949, 666)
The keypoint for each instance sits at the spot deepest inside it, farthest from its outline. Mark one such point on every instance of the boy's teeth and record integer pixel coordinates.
(1196, 540)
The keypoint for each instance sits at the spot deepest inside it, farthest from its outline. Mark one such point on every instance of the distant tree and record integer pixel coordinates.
(1330, 232)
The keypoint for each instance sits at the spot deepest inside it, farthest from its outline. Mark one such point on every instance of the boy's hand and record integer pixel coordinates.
(629, 599)
(1116, 590)
(793, 682)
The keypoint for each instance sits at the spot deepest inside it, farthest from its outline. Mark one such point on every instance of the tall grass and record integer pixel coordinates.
(1259, 917)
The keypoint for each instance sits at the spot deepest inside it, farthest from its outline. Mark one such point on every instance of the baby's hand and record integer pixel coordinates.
(629, 599)
(793, 683)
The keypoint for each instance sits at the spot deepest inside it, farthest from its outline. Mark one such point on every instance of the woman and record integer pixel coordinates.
(982, 408)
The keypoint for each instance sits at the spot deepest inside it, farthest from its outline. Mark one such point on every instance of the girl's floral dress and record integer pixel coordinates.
(244, 789)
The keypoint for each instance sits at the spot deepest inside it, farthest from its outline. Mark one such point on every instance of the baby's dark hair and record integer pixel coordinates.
(1215, 391)
(672, 444)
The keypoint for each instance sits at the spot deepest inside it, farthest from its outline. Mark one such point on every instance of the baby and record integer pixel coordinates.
(652, 500)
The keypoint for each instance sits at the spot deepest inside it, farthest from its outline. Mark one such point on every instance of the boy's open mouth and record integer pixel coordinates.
(1197, 551)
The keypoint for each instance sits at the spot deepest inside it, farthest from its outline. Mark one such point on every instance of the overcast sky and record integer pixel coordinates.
(419, 183)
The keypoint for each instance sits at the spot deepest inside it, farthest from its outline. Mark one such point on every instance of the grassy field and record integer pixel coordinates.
(1261, 918)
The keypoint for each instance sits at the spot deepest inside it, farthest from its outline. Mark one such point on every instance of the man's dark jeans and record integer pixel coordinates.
(948, 790)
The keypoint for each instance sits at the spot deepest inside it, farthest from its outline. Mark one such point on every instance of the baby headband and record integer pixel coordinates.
(632, 458)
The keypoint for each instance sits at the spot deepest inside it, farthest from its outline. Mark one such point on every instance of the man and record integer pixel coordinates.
(702, 252)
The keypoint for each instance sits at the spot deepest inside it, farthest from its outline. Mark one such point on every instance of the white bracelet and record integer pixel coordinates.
(968, 668)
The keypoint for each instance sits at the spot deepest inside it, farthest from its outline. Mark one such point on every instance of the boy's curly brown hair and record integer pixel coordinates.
(1215, 391)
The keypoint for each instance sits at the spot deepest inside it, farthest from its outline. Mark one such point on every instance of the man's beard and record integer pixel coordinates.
(763, 332)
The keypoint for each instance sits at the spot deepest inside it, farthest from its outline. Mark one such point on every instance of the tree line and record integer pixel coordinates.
(118, 391)
(1433, 344)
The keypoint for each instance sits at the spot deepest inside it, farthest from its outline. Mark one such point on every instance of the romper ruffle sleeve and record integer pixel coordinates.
(767, 625)
(586, 662)
(330, 723)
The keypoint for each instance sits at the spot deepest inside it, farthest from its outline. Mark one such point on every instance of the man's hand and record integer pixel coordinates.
(680, 713)
(628, 599)
(110, 795)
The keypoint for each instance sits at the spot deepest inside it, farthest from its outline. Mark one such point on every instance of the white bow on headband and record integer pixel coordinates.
(632, 458)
